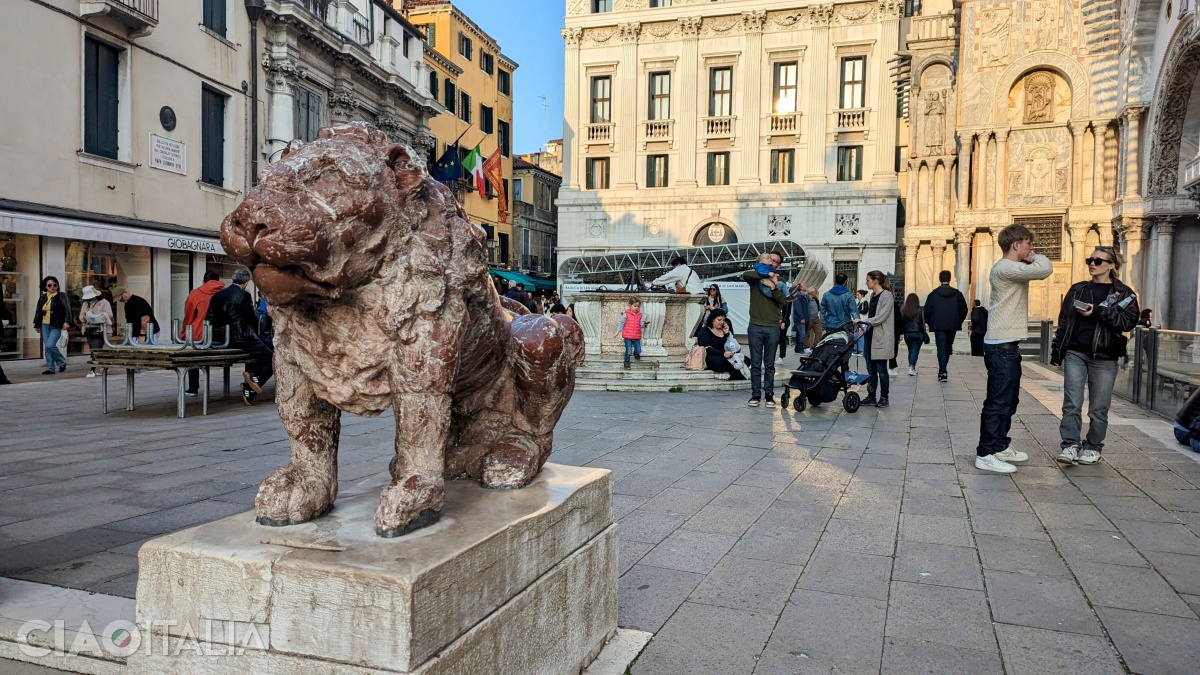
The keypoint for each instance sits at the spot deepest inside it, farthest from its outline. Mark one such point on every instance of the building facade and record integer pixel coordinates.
(550, 158)
(535, 222)
(710, 123)
(476, 92)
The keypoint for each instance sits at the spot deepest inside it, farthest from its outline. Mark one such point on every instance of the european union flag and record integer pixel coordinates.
(447, 167)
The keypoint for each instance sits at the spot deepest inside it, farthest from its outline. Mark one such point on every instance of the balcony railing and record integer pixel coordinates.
(783, 123)
(853, 119)
(936, 27)
(530, 262)
(355, 25)
(658, 130)
(341, 16)
(718, 127)
(141, 16)
(317, 7)
(599, 133)
(1191, 173)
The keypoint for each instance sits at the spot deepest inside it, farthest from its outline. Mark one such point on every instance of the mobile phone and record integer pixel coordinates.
(1082, 306)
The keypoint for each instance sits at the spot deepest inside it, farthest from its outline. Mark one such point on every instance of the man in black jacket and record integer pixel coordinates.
(978, 327)
(232, 311)
(945, 310)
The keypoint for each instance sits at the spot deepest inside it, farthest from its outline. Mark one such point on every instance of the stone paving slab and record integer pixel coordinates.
(752, 540)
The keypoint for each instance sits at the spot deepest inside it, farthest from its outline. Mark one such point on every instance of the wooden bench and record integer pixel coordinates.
(179, 360)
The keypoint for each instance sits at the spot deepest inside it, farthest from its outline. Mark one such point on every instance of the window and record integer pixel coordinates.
(601, 6)
(487, 120)
(660, 3)
(430, 34)
(504, 138)
(601, 100)
(100, 99)
(451, 96)
(487, 62)
(784, 99)
(853, 80)
(656, 171)
(464, 106)
(404, 40)
(720, 88)
(465, 46)
(308, 114)
(212, 133)
(214, 16)
(504, 82)
(433, 84)
(502, 239)
(718, 168)
(660, 96)
(849, 165)
(518, 190)
(783, 166)
(597, 173)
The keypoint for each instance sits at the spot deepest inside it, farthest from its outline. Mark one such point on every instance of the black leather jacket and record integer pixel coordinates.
(60, 311)
(1113, 321)
(233, 307)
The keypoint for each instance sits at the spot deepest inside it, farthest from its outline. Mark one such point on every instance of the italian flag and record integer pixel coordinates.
(473, 163)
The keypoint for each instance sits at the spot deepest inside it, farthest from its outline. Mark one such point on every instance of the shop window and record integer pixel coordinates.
(20, 256)
(107, 266)
(181, 284)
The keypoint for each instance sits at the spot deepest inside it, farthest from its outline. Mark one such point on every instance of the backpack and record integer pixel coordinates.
(695, 358)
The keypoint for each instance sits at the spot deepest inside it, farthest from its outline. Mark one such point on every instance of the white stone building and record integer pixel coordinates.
(703, 123)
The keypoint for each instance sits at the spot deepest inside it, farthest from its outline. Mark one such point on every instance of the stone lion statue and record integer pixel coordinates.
(381, 298)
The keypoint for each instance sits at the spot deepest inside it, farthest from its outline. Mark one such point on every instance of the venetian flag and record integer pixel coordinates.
(493, 170)
(473, 165)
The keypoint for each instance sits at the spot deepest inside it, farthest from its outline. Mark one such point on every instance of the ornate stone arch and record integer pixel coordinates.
(1171, 94)
(706, 222)
(1064, 65)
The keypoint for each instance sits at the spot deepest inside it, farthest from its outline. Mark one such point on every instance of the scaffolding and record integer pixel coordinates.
(710, 263)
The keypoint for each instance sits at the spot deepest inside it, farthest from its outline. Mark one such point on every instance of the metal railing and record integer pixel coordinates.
(318, 7)
(530, 262)
(147, 8)
(1191, 173)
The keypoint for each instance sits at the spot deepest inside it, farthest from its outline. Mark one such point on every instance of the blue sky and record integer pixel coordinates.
(528, 33)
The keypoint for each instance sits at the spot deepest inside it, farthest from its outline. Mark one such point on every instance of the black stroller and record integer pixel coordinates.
(826, 372)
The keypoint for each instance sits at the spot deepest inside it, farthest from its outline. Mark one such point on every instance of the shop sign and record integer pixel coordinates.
(168, 154)
(177, 244)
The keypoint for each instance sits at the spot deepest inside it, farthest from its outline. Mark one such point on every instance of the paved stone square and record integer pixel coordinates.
(752, 540)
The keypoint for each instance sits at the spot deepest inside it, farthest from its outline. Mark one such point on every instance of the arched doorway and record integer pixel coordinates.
(715, 234)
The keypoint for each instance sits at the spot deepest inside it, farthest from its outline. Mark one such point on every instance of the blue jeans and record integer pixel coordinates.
(54, 357)
(798, 330)
(1099, 375)
(764, 341)
(1003, 362)
(632, 345)
(944, 339)
(914, 342)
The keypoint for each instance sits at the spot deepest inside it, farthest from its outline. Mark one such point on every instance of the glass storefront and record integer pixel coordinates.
(106, 266)
(225, 267)
(20, 256)
(181, 284)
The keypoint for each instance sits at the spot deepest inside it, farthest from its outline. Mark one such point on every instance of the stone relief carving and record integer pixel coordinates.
(820, 15)
(577, 7)
(282, 74)
(994, 43)
(349, 235)
(654, 228)
(786, 20)
(754, 21)
(1039, 98)
(390, 124)
(779, 225)
(1166, 117)
(1039, 172)
(721, 25)
(572, 36)
(599, 35)
(595, 228)
(854, 14)
(935, 120)
(630, 31)
(689, 26)
(1045, 23)
(343, 103)
(846, 224)
(659, 31)
(890, 9)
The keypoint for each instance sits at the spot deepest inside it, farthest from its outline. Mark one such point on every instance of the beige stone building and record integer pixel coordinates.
(701, 123)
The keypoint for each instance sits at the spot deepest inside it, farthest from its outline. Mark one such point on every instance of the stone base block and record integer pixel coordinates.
(507, 581)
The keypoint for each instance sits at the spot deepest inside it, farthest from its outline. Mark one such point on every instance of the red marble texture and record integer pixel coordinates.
(381, 298)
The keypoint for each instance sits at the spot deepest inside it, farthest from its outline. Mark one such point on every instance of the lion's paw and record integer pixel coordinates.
(509, 467)
(409, 503)
(293, 495)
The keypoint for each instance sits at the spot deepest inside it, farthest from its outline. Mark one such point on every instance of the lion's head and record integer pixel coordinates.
(331, 213)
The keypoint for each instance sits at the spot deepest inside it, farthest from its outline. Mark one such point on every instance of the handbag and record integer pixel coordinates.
(695, 358)
(681, 286)
(924, 338)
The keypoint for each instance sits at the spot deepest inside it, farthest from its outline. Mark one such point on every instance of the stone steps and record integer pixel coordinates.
(637, 372)
(660, 386)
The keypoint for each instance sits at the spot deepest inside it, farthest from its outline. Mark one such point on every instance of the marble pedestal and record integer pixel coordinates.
(515, 581)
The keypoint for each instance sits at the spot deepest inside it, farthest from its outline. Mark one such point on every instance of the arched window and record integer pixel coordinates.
(713, 234)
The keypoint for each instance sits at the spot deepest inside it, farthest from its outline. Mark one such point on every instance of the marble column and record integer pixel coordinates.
(1165, 226)
(1149, 290)
(574, 75)
(885, 143)
(627, 71)
(1077, 129)
(912, 200)
(1099, 130)
(1078, 252)
(282, 73)
(815, 170)
(910, 261)
(1133, 178)
(962, 258)
(685, 130)
(965, 143)
(1001, 167)
(980, 171)
(938, 255)
(752, 24)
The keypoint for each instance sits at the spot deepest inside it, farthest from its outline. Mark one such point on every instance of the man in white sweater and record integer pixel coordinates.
(1008, 324)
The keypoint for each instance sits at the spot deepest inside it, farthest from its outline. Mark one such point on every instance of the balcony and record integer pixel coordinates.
(1191, 174)
(936, 27)
(783, 124)
(141, 16)
(718, 127)
(530, 263)
(654, 131)
(853, 119)
(341, 16)
(599, 133)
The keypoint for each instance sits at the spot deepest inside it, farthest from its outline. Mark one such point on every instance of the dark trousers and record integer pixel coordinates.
(263, 353)
(763, 341)
(976, 344)
(3, 377)
(914, 342)
(1003, 362)
(944, 339)
(877, 373)
(783, 342)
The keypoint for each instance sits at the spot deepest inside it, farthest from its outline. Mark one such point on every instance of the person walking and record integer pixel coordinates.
(914, 330)
(195, 311)
(978, 327)
(945, 311)
(898, 332)
(838, 307)
(881, 343)
(96, 317)
(232, 311)
(139, 313)
(799, 317)
(763, 334)
(51, 318)
(815, 326)
(1092, 322)
(630, 328)
(1007, 326)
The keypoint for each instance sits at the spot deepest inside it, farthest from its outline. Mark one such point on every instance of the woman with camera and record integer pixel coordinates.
(1090, 339)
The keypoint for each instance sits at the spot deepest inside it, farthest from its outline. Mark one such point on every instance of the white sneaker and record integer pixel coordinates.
(91, 373)
(1010, 455)
(778, 360)
(990, 463)
(1089, 456)
(912, 371)
(892, 372)
(1069, 455)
